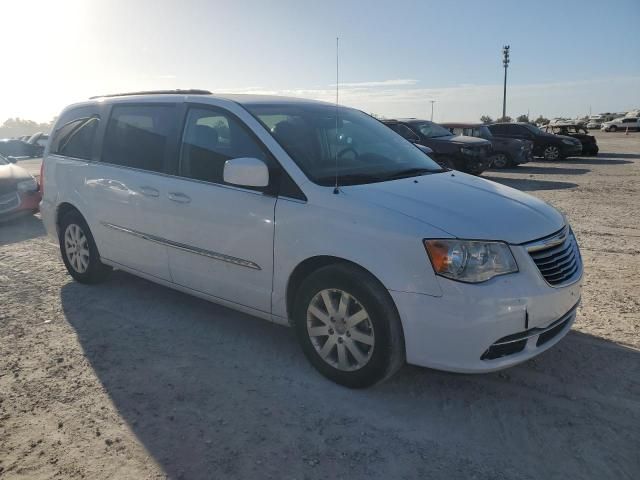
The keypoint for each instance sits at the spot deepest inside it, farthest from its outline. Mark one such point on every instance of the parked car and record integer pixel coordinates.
(594, 124)
(467, 154)
(19, 190)
(547, 145)
(623, 123)
(39, 141)
(507, 152)
(313, 216)
(578, 131)
(12, 147)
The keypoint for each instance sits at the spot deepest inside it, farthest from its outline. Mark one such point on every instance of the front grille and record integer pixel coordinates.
(557, 257)
(9, 201)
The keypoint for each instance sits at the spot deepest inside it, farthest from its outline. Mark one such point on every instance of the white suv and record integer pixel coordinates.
(622, 123)
(234, 199)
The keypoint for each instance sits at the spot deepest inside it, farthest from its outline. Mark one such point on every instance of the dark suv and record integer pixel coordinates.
(578, 131)
(507, 152)
(551, 147)
(467, 154)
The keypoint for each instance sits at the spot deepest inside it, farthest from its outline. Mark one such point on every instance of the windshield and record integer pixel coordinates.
(361, 150)
(432, 130)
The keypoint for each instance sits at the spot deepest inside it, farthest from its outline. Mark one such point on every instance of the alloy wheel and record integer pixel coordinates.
(76, 248)
(340, 329)
(500, 160)
(551, 153)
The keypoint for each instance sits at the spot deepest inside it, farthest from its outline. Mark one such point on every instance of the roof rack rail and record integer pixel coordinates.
(190, 91)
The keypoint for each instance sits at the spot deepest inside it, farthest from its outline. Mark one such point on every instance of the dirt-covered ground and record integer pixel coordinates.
(130, 380)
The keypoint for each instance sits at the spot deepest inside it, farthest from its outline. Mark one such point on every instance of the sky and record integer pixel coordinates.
(567, 58)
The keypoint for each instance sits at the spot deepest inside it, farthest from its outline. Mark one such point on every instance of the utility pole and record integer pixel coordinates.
(505, 62)
(432, 102)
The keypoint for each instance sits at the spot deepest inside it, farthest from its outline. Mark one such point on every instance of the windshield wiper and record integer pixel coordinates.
(350, 179)
(412, 172)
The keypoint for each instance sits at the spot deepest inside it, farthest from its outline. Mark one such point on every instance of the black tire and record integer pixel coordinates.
(388, 351)
(503, 159)
(552, 153)
(95, 271)
(613, 128)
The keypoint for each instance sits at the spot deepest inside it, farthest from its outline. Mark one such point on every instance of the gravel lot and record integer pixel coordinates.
(132, 380)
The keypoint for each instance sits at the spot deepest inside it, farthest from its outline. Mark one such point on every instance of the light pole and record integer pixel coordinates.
(432, 102)
(505, 62)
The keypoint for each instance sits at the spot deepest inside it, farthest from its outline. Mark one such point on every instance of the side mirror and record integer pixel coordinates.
(246, 172)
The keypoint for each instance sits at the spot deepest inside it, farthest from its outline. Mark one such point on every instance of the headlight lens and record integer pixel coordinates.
(28, 185)
(470, 261)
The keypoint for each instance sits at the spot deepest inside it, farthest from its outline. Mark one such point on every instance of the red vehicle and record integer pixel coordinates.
(19, 190)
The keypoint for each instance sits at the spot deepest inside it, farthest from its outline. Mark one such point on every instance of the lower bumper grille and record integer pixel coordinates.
(517, 342)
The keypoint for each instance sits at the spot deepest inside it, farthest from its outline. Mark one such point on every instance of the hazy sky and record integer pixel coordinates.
(395, 56)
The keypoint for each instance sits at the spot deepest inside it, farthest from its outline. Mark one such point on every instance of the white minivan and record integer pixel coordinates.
(314, 216)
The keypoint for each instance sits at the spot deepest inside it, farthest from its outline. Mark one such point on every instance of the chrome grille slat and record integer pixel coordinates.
(556, 257)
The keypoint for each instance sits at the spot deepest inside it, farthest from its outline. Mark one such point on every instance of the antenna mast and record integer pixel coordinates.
(335, 189)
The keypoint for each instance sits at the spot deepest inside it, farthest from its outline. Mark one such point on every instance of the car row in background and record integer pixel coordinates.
(466, 154)
(19, 190)
(546, 145)
(506, 152)
(18, 147)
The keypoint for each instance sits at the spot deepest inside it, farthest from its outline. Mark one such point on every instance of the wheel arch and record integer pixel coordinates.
(312, 264)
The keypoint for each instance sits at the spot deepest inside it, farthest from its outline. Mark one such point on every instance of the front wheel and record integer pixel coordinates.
(613, 128)
(79, 252)
(500, 160)
(551, 153)
(348, 326)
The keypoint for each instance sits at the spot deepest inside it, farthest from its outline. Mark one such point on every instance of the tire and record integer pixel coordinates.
(613, 128)
(551, 152)
(79, 252)
(501, 160)
(356, 355)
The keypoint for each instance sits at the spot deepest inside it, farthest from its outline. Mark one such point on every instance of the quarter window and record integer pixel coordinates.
(211, 137)
(75, 139)
(138, 136)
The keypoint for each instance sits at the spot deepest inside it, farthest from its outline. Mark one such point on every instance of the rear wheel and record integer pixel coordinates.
(79, 251)
(613, 128)
(348, 326)
(551, 153)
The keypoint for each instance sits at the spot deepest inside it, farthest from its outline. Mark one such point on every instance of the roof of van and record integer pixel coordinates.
(240, 98)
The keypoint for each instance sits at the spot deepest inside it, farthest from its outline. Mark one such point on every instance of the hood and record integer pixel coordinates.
(10, 176)
(464, 140)
(465, 206)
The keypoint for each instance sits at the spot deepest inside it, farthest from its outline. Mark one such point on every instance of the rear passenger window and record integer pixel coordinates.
(138, 136)
(75, 139)
(211, 137)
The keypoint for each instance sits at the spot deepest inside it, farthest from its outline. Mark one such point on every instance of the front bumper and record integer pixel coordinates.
(459, 330)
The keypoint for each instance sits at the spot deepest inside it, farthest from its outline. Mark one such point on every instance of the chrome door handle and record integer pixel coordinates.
(179, 197)
(149, 192)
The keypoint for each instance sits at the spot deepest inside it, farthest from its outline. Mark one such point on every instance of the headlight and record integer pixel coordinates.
(470, 261)
(28, 185)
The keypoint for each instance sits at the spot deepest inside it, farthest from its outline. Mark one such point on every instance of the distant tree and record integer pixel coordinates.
(16, 127)
(506, 119)
(523, 118)
(486, 119)
(541, 120)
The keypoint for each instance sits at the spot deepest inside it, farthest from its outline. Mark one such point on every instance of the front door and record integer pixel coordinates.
(221, 235)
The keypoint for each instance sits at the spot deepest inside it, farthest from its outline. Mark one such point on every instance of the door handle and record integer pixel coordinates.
(179, 197)
(149, 192)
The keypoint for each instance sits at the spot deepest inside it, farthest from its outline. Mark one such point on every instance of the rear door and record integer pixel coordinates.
(127, 186)
(221, 235)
